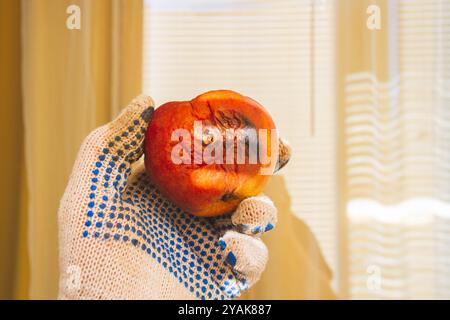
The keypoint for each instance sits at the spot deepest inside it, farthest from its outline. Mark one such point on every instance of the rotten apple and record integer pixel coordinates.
(208, 154)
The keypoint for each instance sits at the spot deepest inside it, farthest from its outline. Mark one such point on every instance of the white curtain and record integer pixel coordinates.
(398, 158)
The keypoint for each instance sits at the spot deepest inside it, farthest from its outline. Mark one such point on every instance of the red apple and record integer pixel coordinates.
(201, 153)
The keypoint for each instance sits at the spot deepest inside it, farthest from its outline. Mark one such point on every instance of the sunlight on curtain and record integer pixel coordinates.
(280, 53)
(73, 81)
(398, 155)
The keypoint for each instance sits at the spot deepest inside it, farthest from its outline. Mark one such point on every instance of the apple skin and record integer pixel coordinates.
(205, 189)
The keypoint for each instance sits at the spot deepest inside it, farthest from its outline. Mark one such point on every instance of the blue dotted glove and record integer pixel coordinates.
(121, 239)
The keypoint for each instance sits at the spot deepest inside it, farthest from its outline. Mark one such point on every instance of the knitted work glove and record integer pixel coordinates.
(121, 239)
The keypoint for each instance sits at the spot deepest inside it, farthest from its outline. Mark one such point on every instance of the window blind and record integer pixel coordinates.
(279, 52)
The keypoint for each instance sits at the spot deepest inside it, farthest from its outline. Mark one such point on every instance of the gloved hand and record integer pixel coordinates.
(121, 239)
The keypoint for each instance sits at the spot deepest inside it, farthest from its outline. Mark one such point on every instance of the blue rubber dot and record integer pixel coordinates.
(125, 238)
(108, 170)
(257, 229)
(88, 223)
(106, 184)
(85, 234)
(95, 171)
(90, 213)
(222, 244)
(91, 204)
(101, 157)
(92, 196)
(101, 214)
(97, 234)
(231, 259)
(113, 208)
(93, 188)
(116, 236)
(105, 150)
(98, 224)
(94, 180)
(98, 164)
(269, 227)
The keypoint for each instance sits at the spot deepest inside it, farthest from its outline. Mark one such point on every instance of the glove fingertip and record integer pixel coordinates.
(255, 215)
(247, 256)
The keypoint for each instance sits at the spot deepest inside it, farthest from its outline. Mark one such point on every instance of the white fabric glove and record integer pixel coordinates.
(120, 239)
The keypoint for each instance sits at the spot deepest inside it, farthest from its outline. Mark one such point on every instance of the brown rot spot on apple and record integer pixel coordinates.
(208, 137)
(228, 196)
(230, 119)
(208, 154)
